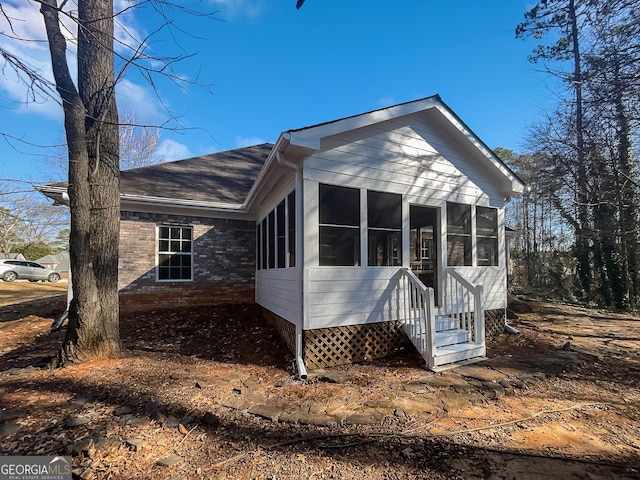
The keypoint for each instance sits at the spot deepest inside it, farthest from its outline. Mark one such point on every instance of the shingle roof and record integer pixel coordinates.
(219, 177)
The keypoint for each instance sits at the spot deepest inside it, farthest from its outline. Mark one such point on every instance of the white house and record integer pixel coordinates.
(353, 235)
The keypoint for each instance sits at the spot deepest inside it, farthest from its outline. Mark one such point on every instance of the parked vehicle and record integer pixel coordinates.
(11, 270)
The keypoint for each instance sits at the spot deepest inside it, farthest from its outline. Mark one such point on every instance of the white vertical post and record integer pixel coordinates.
(479, 316)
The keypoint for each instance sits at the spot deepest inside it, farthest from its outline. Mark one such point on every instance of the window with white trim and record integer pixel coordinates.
(487, 236)
(175, 253)
(384, 217)
(458, 234)
(339, 211)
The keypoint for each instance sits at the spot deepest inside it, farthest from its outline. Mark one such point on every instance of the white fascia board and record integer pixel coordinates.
(281, 144)
(517, 187)
(310, 137)
(57, 194)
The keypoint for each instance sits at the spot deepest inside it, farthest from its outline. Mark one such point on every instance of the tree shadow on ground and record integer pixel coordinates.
(236, 439)
(43, 307)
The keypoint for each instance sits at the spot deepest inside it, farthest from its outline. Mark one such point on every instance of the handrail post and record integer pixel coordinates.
(478, 323)
(429, 317)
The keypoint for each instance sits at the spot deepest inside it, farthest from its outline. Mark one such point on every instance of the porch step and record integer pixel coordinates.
(458, 352)
(445, 322)
(451, 337)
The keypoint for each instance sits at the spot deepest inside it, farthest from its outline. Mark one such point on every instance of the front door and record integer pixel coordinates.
(423, 241)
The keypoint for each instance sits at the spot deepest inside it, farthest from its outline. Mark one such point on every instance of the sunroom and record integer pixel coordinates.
(380, 228)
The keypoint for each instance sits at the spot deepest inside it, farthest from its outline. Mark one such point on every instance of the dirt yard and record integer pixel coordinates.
(210, 393)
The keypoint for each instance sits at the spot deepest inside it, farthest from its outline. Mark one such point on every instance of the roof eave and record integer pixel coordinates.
(58, 194)
(181, 202)
(280, 145)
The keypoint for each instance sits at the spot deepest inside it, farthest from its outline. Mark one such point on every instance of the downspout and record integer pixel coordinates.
(300, 366)
(509, 329)
(57, 324)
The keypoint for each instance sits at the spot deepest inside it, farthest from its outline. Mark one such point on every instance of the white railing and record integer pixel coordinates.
(419, 315)
(463, 301)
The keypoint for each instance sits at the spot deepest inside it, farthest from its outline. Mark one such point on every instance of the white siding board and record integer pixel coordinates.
(360, 159)
(398, 172)
(462, 157)
(431, 191)
(461, 154)
(351, 296)
(494, 282)
(414, 137)
(276, 290)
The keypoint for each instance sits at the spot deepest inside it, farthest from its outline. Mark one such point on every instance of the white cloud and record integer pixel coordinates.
(28, 43)
(23, 36)
(135, 98)
(236, 8)
(248, 141)
(170, 150)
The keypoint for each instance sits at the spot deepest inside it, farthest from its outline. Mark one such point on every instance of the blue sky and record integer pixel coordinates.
(273, 68)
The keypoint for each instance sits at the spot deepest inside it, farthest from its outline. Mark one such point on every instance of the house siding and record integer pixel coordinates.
(223, 262)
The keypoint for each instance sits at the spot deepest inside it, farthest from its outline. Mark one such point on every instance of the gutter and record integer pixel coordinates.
(60, 195)
(299, 362)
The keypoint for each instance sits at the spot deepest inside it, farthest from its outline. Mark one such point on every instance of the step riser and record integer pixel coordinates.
(446, 358)
(451, 337)
(446, 325)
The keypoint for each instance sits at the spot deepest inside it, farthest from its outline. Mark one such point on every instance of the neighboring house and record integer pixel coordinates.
(13, 256)
(352, 235)
(58, 261)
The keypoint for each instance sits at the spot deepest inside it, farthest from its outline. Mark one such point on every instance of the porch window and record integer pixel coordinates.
(339, 211)
(264, 245)
(175, 253)
(275, 234)
(259, 246)
(281, 231)
(271, 225)
(487, 236)
(458, 234)
(384, 216)
(291, 217)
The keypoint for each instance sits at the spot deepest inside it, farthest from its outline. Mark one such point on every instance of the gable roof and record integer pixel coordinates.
(310, 137)
(60, 259)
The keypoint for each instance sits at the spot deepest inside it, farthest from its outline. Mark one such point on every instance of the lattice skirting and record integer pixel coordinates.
(327, 347)
(286, 329)
(494, 321)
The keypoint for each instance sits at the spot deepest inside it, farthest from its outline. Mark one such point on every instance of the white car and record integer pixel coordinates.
(11, 270)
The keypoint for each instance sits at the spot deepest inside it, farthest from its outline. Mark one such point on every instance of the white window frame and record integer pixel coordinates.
(159, 253)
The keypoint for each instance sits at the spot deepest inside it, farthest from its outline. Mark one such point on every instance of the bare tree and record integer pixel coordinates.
(26, 219)
(138, 148)
(92, 137)
(594, 49)
(138, 143)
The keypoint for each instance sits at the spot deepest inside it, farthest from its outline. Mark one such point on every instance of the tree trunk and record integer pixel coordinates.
(91, 127)
(582, 234)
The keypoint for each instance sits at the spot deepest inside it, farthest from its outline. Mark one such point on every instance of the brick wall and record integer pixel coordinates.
(223, 263)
